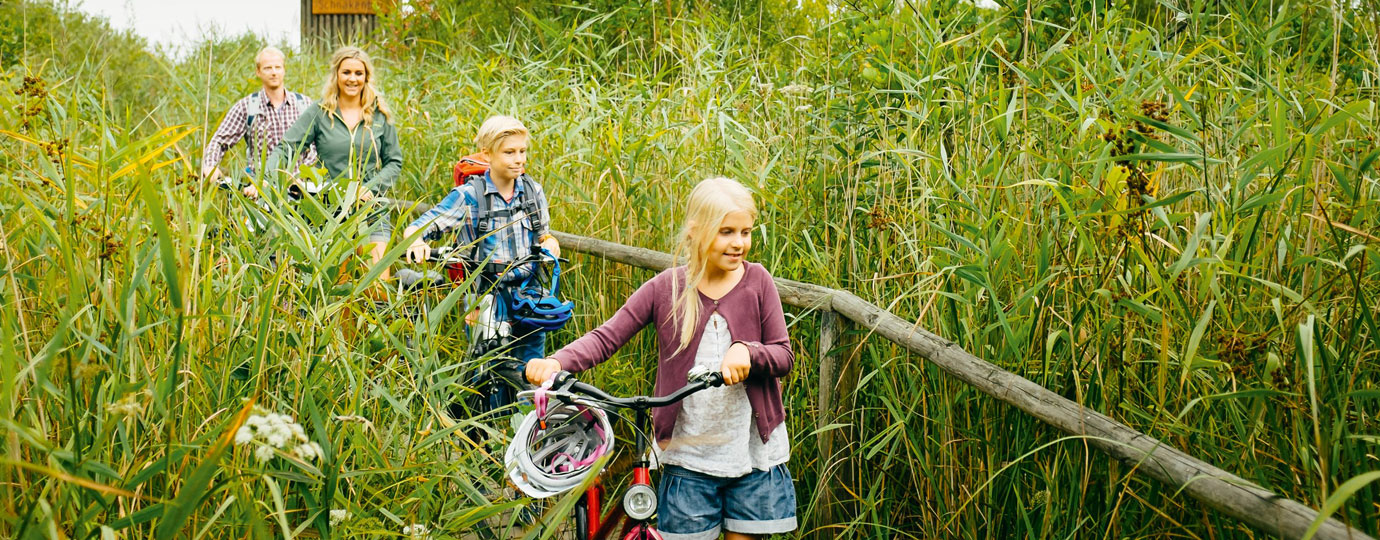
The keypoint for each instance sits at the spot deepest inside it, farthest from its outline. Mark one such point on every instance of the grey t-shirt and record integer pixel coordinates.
(714, 432)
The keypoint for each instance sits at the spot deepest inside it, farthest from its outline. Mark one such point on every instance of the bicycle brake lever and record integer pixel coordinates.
(705, 375)
(562, 379)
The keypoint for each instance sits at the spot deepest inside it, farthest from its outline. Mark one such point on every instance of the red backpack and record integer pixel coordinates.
(468, 166)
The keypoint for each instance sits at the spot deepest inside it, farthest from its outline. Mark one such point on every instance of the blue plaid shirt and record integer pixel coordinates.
(507, 240)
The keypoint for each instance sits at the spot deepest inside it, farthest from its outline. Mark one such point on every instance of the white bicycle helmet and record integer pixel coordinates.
(556, 446)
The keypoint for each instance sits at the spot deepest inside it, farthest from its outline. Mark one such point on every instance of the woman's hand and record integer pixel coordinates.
(736, 364)
(540, 370)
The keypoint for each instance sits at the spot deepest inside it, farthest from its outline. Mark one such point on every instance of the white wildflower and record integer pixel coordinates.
(307, 451)
(796, 89)
(263, 453)
(129, 406)
(244, 435)
(417, 531)
(277, 438)
(274, 431)
(983, 4)
(339, 516)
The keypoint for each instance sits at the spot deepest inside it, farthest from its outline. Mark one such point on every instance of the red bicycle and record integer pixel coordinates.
(582, 443)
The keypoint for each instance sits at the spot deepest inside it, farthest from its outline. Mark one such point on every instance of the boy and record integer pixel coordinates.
(518, 215)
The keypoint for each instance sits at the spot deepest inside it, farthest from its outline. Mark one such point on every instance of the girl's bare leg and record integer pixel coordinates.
(376, 251)
(739, 536)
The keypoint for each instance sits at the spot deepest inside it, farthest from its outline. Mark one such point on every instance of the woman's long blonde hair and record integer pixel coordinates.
(710, 202)
(369, 97)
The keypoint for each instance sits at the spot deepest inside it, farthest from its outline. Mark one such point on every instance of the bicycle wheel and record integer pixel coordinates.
(580, 517)
(536, 518)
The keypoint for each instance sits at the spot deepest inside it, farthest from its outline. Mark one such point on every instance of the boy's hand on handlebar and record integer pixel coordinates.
(540, 370)
(736, 364)
(551, 245)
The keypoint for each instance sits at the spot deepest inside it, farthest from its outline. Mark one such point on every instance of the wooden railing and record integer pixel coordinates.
(1217, 488)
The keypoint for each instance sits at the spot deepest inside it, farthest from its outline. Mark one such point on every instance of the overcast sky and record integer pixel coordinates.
(181, 22)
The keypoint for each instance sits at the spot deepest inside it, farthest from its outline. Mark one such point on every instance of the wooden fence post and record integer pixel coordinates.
(838, 377)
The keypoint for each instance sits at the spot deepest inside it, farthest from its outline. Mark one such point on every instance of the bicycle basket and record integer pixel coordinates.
(556, 447)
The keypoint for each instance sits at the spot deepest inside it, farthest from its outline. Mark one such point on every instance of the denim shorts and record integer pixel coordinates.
(696, 506)
(380, 223)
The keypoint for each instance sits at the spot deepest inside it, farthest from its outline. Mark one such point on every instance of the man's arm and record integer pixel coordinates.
(231, 130)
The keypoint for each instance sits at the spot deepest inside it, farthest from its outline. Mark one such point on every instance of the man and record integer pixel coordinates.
(260, 119)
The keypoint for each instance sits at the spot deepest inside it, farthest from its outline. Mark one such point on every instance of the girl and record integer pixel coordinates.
(725, 449)
(353, 136)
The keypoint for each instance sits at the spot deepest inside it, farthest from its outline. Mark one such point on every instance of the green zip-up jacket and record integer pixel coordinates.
(369, 154)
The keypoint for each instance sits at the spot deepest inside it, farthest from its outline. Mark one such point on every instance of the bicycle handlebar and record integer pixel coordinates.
(699, 379)
(450, 255)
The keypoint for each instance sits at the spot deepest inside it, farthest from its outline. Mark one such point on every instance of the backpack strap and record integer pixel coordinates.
(252, 110)
(529, 204)
(483, 222)
(301, 99)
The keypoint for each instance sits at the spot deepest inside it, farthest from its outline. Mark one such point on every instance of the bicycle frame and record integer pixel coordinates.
(599, 526)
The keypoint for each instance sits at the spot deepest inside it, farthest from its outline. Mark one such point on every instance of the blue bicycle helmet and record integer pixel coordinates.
(535, 309)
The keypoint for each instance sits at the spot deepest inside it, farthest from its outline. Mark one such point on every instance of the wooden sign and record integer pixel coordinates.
(348, 7)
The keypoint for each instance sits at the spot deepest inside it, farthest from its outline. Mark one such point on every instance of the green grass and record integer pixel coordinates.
(1172, 223)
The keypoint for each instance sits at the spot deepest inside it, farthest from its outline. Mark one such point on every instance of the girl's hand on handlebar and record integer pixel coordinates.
(540, 370)
(418, 251)
(736, 364)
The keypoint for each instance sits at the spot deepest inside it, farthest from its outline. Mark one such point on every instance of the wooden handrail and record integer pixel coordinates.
(1219, 489)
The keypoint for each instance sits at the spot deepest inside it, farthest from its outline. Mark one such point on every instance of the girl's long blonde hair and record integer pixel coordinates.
(369, 97)
(710, 202)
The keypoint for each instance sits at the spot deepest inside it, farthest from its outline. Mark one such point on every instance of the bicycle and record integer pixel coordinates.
(490, 389)
(639, 501)
(493, 385)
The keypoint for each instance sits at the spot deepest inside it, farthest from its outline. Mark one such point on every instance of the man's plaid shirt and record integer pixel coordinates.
(268, 128)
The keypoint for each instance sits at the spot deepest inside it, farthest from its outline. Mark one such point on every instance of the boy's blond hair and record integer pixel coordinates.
(497, 128)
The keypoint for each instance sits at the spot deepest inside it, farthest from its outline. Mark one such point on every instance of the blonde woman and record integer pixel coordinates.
(724, 463)
(353, 135)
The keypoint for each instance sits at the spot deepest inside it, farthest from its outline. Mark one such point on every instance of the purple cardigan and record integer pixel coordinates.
(753, 312)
